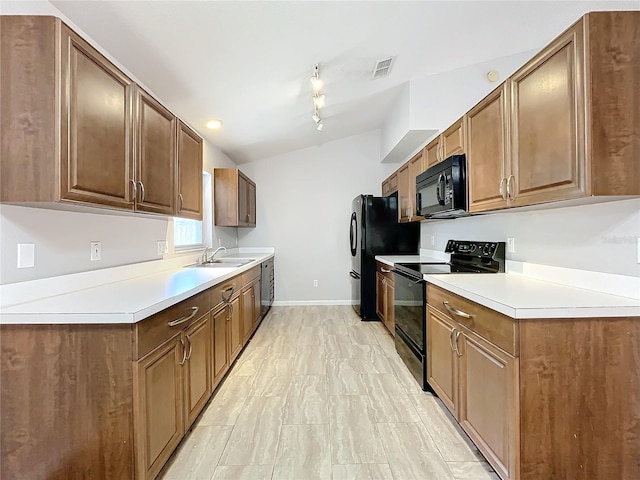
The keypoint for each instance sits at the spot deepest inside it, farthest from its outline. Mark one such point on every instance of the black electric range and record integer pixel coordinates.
(410, 295)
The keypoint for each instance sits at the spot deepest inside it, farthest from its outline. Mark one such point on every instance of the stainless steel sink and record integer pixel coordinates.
(224, 263)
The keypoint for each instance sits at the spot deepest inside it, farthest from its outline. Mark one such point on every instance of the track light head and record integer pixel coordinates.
(320, 126)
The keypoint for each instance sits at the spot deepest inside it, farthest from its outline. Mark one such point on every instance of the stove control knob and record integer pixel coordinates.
(473, 247)
(487, 249)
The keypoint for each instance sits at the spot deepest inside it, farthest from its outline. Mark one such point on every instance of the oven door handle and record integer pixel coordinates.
(416, 280)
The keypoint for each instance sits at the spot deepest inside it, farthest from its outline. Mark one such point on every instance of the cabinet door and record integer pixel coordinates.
(416, 167)
(441, 358)
(96, 129)
(257, 308)
(155, 155)
(243, 205)
(235, 328)
(158, 413)
(404, 203)
(251, 204)
(488, 409)
(432, 152)
(380, 297)
(247, 312)
(487, 152)
(219, 321)
(390, 319)
(452, 140)
(547, 124)
(197, 368)
(189, 173)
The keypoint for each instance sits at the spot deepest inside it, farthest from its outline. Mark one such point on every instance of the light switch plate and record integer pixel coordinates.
(638, 243)
(511, 244)
(162, 247)
(26, 255)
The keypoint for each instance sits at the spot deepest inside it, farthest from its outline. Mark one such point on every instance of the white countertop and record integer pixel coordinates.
(125, 300)
(522, 297)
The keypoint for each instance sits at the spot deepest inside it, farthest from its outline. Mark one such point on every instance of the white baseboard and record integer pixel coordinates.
(289, 303)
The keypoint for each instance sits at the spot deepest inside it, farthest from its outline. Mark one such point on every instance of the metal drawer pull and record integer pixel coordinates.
(184, 353)
(509, 186)
(181, 201)
(457, 349)
(502, 195)
(384, 270)
(226, 298)
(180, 320)
(459, 313)
(451, 339)
(190, 346)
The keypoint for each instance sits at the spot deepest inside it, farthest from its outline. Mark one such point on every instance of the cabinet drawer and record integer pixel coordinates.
(494, 327)
(155, 330)
(250, 275)
(385, 270)
(225, 290)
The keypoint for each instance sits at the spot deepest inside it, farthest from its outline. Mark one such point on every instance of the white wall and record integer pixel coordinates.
(304, 206)
(599, 237)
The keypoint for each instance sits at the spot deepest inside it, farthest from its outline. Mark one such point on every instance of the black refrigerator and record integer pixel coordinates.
(375, 231)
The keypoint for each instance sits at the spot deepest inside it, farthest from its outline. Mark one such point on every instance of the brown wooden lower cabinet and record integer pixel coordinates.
(540, 398)
(385, 289)
(106, 402)
(158, 406)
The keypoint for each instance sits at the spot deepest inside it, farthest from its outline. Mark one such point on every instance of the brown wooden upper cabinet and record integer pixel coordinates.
(235, 198)
(93, 137)
(155, 160)
(406, 181)
(189, 196)
(488, 152)
(390, 185)
(450, 142)
(554, 130)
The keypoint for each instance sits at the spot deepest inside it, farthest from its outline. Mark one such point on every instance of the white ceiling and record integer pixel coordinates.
(249, 63)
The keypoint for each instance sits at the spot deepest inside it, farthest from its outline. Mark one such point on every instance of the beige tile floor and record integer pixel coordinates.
(318, 394)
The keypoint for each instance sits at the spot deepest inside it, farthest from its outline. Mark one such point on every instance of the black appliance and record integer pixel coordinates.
(441, 191)
(410, 296)
(375, 231)
(268, 284)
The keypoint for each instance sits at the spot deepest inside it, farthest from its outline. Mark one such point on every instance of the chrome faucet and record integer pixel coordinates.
(204, 258)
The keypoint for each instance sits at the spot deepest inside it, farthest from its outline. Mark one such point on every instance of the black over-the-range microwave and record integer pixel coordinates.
(441, 191)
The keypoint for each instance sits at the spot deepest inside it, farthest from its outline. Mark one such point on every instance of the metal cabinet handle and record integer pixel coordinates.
(458, 352)
(226, 298)
(186, 318)
(190, 346)
(134, 195)
(229, 311)
(181, 202)
(184, 353)
(509, 190)
(459, 313)
(141, 191)
(384, 281)
(502, 195)
(451, 339)
(384, 270)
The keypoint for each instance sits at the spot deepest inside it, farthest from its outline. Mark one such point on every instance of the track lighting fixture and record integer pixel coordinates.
(317, 97)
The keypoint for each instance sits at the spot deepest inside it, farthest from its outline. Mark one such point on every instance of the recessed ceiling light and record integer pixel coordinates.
(214, 124)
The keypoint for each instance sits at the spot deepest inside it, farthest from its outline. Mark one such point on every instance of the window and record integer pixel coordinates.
(190, 234)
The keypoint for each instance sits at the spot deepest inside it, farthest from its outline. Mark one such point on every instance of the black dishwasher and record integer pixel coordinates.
(268, 282)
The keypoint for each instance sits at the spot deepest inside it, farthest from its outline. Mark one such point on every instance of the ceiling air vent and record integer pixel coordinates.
(382, 68)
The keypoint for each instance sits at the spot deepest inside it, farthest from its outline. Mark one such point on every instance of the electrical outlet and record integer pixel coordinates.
(162, 248)
(638, 260)
(219, 242)
(511, 244)
(26, 255)
(315, 283)
(96, 251)
(433, 240)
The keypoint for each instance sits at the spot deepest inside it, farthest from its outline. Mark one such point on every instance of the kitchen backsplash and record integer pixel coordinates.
(599, 237)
